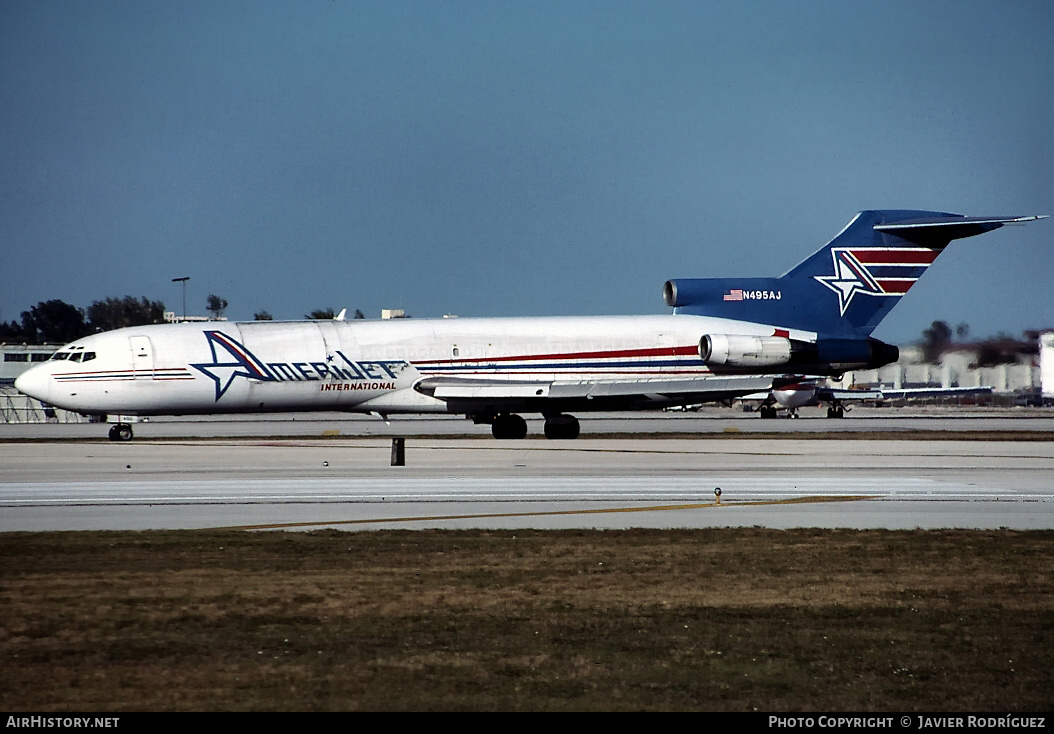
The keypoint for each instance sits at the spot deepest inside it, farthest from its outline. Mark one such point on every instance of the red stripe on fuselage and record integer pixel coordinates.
(651, 352)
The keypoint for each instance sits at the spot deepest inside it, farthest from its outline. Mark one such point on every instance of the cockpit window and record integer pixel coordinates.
(74, 354)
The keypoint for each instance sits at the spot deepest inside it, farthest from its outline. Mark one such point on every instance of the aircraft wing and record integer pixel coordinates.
(830, 394)
(824, 394)
(935, 392)
(469, 395)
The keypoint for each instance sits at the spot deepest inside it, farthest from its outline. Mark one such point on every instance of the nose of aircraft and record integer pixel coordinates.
(35, 382)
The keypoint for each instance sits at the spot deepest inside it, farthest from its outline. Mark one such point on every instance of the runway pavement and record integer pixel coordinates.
(711, 419)
(646, 479)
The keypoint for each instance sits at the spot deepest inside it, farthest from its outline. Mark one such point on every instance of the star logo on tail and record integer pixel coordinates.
(850, 277)
(875, 271)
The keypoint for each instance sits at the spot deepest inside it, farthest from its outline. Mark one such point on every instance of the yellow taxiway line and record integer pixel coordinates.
(599, 511)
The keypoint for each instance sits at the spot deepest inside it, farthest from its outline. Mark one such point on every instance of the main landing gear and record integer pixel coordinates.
(512, 426)
(120, 432)
(508, 425)
(769, 411)
(561, 427)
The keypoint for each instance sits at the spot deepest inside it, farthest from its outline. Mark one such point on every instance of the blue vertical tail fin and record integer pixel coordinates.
(846, 287)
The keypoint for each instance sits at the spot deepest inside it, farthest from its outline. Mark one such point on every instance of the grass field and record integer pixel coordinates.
(721, 619)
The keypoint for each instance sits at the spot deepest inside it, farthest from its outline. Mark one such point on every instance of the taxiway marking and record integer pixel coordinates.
(595, 511)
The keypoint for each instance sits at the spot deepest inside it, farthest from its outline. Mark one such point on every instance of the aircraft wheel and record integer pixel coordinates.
(112, 435)
(121, 432)
(562, 427)
(509, 426)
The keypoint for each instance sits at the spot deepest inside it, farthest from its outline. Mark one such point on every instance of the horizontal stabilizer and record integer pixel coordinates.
(938, 231)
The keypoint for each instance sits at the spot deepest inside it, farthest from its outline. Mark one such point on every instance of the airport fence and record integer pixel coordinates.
(18, 408)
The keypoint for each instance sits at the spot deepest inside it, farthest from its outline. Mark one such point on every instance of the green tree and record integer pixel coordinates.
(116, 313)
(53, 322)
(216, 306)
(263, 316)
(11, 332)
(935, 339)
(321, 314)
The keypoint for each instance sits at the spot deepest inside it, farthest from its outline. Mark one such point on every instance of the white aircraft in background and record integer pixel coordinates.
(810, 392)
(727, 337)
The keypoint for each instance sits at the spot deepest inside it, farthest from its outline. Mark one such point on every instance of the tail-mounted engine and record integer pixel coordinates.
(739, 353)
(745, 351)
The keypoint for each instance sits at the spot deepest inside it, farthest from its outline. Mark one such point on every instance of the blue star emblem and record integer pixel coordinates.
(850, 278)
(230, 360)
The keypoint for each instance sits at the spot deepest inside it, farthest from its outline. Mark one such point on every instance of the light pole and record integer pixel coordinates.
(183, 280)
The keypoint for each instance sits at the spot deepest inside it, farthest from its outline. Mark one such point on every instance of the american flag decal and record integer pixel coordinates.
(736, 294)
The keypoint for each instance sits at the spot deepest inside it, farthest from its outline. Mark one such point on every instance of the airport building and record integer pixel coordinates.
(1046, 366)
(20, 357)
(1024, 371)
(171, 317)
(16, 407)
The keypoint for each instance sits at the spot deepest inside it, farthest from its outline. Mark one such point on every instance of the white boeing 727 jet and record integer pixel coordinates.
(727, 337)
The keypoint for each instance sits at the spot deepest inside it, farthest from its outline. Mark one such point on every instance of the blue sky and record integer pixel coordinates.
(514, 158)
